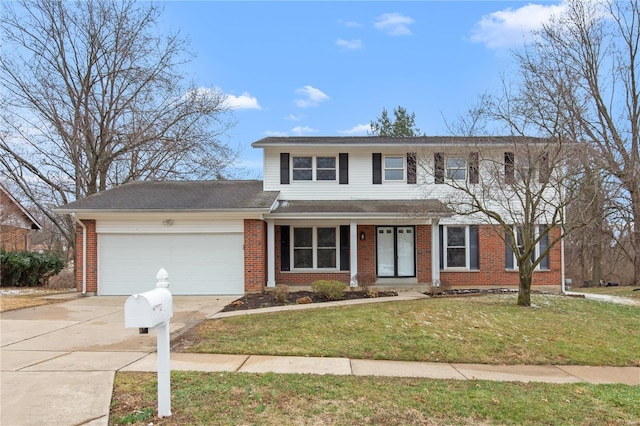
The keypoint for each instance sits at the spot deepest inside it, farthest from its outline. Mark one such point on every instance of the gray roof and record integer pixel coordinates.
(350, 208)
(396, 141)
(176, 196)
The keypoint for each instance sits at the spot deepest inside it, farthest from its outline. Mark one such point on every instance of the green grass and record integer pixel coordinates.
(270, 399)
(488, 329)
(625, 291)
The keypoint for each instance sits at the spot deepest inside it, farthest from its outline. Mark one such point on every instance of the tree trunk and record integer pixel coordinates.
(596, 253)
(524, 287)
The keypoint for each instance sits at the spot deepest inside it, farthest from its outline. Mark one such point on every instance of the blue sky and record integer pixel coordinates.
(329, 68)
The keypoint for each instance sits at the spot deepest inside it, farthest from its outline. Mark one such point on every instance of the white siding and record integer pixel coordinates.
(176, 226)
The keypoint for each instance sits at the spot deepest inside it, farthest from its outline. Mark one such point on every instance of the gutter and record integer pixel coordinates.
(84, 254)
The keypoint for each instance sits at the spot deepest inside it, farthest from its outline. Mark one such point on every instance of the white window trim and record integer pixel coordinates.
(403, 168)
(467, 248)
(314, 168)
(464, 168)
(516, 266)
(314, 246)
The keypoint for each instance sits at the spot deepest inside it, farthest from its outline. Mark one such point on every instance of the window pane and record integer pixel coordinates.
(326, 162)
(302, 174)
(456, 258)
(393, 174)
(303, 258)
(326, 175)
(455, 237)
(326, 237)
(456, 163)
(457, 174)
(326, 258)
(302, 162)
(303, 237)
(393, 162)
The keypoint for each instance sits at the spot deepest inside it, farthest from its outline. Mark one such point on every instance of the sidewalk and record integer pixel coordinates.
(362, 367)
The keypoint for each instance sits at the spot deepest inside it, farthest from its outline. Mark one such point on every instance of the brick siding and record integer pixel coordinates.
(255, 255)
(92, 256)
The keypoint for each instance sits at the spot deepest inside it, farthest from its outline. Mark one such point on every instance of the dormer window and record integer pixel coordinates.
(393, 168)
(314, 168)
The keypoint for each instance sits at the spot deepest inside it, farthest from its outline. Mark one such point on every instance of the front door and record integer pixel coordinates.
(395, 248)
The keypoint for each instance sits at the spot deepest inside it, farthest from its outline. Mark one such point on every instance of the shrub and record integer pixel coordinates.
(281, 293)
(26, 269)
(365, 280)
(329, 289)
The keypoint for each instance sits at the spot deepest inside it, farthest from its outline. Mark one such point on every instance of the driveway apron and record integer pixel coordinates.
(58, 361)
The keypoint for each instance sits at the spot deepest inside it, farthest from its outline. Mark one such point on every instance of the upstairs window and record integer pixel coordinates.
(326, 168)
(314, 168)
(393, 168)
(302, 168)
(456, 168)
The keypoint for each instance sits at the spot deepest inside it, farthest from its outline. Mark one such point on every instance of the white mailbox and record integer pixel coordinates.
(148, 309)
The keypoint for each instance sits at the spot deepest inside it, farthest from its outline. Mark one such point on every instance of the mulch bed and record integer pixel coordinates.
(267, 299)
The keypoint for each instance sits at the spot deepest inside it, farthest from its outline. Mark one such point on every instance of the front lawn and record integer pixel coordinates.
(12, 298)
(271, 399)
(487, 329)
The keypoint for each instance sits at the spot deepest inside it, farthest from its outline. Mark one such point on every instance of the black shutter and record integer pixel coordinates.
(508, 253)
(284, 168)
(474, 174)
(377, 168)
(474, 251)
(285, 248)
(508, 167)
(438, 163)
(441, 246)
(545, 171)
(542, 246)
(343, 168)
(344, 247)
(411, 168)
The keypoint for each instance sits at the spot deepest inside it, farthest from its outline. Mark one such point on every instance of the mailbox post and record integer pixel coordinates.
(153, 309)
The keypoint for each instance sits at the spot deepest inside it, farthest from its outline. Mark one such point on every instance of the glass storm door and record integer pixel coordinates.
(396, 251)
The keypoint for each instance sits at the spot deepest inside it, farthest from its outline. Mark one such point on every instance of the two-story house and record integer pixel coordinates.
(328, 208)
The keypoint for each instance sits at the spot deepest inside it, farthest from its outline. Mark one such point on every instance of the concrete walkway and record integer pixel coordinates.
(58, 362)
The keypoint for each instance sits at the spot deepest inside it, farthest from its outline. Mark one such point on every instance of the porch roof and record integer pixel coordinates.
(426, 208)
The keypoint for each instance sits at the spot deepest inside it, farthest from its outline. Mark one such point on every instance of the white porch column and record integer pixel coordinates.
(353, 251)
(435, 252)
(271, 254)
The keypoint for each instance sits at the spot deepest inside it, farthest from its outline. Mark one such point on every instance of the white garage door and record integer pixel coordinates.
(196, 263)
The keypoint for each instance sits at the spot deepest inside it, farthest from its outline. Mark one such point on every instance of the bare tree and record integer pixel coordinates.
(586, 60)
(93, 97)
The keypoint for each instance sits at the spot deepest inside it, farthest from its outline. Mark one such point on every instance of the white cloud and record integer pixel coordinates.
(395, 24)
(244, 101)
(350, 44)
(275, 133)
(292, 117)
(303, 130)
(310, 97)
(350, 24)
(360, 129)
(511, 27)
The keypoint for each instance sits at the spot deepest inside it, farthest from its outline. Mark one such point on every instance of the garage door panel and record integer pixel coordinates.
(196, 263)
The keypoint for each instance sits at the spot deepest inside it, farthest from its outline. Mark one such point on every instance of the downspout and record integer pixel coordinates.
(562, 284)
(84, 254)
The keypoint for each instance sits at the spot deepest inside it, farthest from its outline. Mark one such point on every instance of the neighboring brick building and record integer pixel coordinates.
(328, 208)
(16, 223)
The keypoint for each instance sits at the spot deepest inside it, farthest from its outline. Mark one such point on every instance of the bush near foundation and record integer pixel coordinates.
(329, 289)
(26, 269)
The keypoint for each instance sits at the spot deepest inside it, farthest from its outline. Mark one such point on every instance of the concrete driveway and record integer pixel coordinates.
(58, 361)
